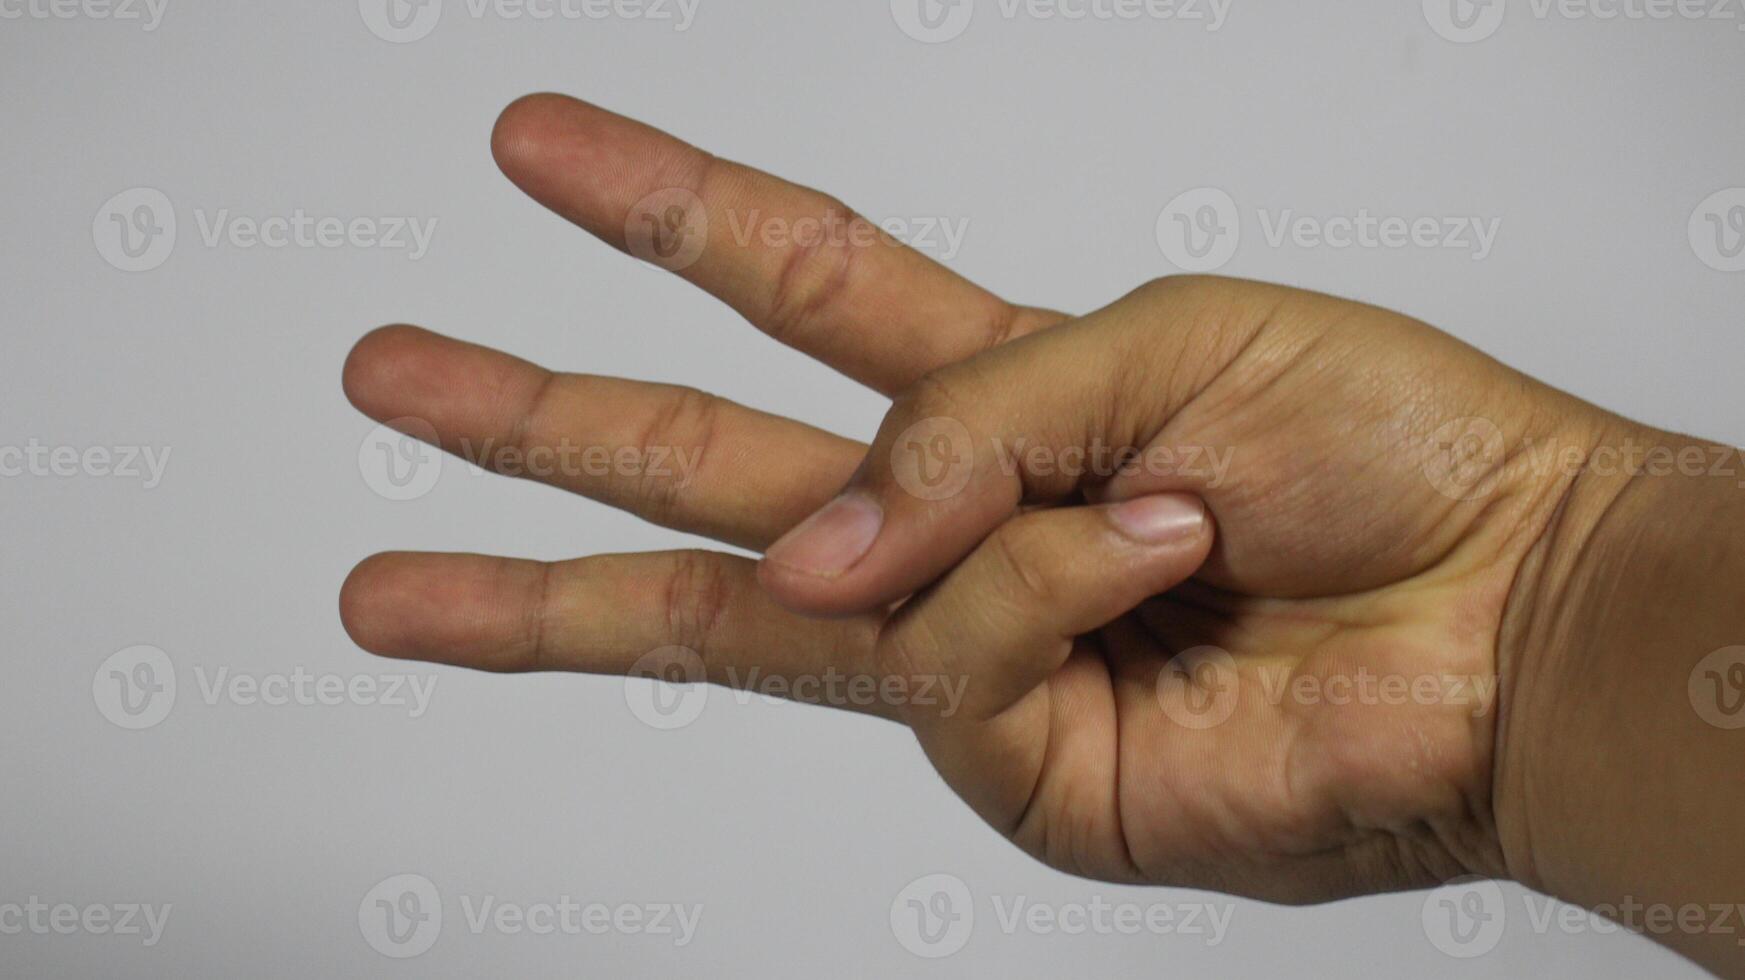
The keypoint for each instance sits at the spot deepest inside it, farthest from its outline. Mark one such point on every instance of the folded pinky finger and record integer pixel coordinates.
(610, 614)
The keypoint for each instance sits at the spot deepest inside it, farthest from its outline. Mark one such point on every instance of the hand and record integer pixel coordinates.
(1356, 536)
(1329, 723)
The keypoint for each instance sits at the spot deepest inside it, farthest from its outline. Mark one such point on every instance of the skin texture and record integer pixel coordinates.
(1162, 668)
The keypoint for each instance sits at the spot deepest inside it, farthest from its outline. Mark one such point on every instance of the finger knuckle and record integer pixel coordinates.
(939, 393)
(816, 271)
(530, 422)
(698, 595)
(686, 419)
(909, 649)
(1024, 574)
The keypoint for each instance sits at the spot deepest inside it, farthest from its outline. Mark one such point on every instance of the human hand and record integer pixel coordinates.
(1356, 534)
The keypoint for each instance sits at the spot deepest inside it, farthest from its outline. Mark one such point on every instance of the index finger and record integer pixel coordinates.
(800, 265)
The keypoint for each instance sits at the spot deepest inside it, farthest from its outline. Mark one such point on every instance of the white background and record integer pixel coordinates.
(1058, 141)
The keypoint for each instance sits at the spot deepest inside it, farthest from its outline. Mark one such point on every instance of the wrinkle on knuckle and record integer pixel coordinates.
(687, 419)
(696, 601)
(1002, 324)
(534, 654)
(936, 394)
(1023, 567)
(815, 276)
(529, 421)
(910, 651)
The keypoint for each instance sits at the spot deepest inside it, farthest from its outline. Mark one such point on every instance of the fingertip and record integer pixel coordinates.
(377, 362)
(524, 130)
(368, 602)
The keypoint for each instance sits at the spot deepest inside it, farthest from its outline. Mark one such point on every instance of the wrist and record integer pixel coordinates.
(1606, 780)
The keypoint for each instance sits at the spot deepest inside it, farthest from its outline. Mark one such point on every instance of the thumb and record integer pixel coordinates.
(1005, 621)
(1034, 421)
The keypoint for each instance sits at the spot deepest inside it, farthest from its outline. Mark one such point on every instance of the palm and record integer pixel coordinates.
(1329, 712)
(1219, 776)
(1090, 771)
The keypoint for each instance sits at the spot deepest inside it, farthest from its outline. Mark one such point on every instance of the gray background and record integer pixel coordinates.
(1058, 141)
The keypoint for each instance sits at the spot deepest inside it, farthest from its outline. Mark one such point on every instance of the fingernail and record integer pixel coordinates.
(1160, 519)
(829, 542)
